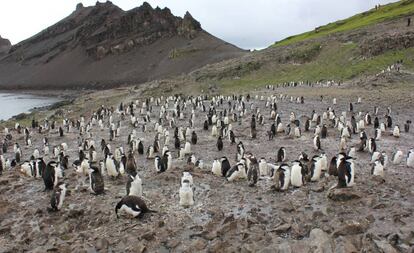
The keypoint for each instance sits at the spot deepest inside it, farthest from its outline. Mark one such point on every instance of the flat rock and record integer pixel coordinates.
(343, 194)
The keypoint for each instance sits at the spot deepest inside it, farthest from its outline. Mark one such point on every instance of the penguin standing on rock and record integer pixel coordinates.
(410, 158)
(346, 171)
(134, 186)
(133, 206)
(219, 144)
(193, 138)
(58, 196)
(253, 171)
(131, 166)
(96, 181)
(48, 175)
(281, 177)
(297, 174)
(281, 155)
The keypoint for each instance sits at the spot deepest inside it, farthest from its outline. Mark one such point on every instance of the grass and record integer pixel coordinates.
(336, 61)
(386, 12)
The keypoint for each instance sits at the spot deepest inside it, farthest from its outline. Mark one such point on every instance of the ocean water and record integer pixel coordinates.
(12, 104)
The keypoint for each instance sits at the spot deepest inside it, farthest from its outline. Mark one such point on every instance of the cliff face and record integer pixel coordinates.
(104, 46)
(5, 46)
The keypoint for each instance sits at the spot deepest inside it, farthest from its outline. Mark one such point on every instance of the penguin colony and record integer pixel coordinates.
(160, 135)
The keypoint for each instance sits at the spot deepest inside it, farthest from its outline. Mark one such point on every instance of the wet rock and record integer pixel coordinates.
(102, 244)
(198, 244)
(73, 214)
(138, 248)
(320, 241)
(282, 229)
(342, 245)
(351, 228)
(148, 236)
(385, 247)
(343, 194)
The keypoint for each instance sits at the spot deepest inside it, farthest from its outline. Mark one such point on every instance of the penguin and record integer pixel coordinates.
(263, 168)
(225, 166)
(133, 206)
(297, 174)
(199, 164)
(377, 134)
(58, 197)
(407, 126)
(216, 168)
(253, 171)
(187, 178)
(17, 154)
(342, 144)
(140, 147)
(187, 148)
(219, 144)
(333, 170)
(372, 146)
(396, 132)
(159, 165)
(27, 169)
(317, 143)
(346, 171)
(134, 186)
(315, 169)
(324, 131)
(193, 138)
(377, 169)
(352, 152)
(111, 167)
(397, 157)
(96, 181)
(281, 177)
(410, 158)
(232, 137)
(131, 166)
(281, 155)
(150, 152)
(186, 194)
(236, 172)
(49, 176)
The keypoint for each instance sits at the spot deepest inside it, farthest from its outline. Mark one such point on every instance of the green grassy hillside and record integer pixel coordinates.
(386, 12)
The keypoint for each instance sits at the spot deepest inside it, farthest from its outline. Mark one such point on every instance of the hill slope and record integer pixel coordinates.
(4, 46)
(104, 46)
(357, 50)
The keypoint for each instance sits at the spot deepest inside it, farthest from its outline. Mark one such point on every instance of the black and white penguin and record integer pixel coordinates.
(315, 168)
(297, 174)
(346, 171)
(410, 158)
(372, 146)
(240, 151)
(193, 138)
(140, 147)
(186, 193)
(281, 155)
(324, 131)
(396, 132)
(316, 143)
(159, 165)
(377, 169)
(407, 126)
(133, 206)
(134, 186)
(225, 166)
(111, 166)
(131, 166)
(219, 144)
(60, 131)
(57, 198)
(49, 175)
(252, 170)
(232, 137)
(397, 157)
(96, 181)
(333, 167)
(281, 177)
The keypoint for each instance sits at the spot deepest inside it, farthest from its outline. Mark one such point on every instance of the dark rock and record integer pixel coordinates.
(282, 229)
(352, 228)
(343, 194)
(320, 241)
(148, 236)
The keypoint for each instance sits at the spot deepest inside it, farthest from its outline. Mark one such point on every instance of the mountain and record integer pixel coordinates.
(4, 46)
(355, 50)
(103, 46)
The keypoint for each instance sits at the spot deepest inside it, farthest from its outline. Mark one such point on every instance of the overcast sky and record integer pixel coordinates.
(248, 24)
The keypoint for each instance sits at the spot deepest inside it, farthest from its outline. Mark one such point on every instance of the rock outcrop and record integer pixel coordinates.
(5, 46)
(104, 46)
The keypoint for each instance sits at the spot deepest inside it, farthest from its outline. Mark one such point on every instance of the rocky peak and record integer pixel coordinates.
(79, 6)
(5, 45)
